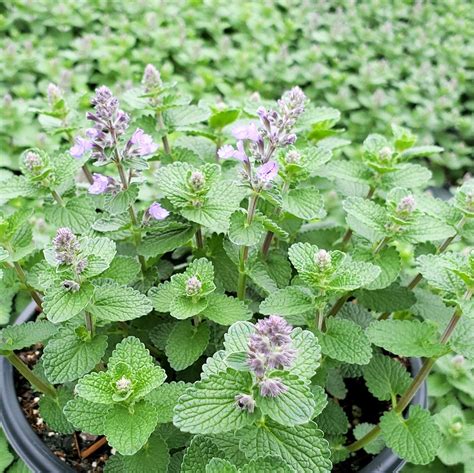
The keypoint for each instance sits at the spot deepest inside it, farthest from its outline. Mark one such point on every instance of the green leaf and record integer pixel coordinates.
(302, 447)
(415, 439)
(293, 407)
(160, 333)
(289, 301)
(406, 337)
(177, 235)
(86, 416)
(389, 299)
(51, 410)
(162, 296)
(68, 356)
(333, 419)
(119, 203)
(60, 304)
(225, 310)
(78, 214)
(306, 203)
(420, 151)
(218, 465)
(184, 307)
(237, 337)
(241, 232)
(222, 200)
(199, 453)
(222, 118)
(389, 262)
(427, 228)
(153, 456)
(386, 377)
(17, 337)
(186, 343)
(15, 186)
(345, 341)
(366, 218)
(128, 428)
(209, 406)
(122, 269)
(96, 388)
(185, 115)
(408, 176)
(5, 456)
(308, 353)
(118, 303)
(375, 446)
(100, 252)
(165, 398)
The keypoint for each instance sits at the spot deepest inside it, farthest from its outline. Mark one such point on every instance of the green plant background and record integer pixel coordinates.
(377, 61)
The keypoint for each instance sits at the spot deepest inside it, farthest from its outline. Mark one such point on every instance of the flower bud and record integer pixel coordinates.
(71, 286)
(322, 259)
(197, 180)
(245, 402)
(406, 205)
(66, 245)
(272, 387)
(456, 427)
(54, 94)
(292, 156)
(151, 78)
(386, 153)
(458, 361)
(123, 384)
(193, 286)
(32, 161)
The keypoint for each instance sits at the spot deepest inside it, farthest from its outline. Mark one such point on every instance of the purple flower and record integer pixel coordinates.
(54, 94)
(197, 180)
(247, 132)
(32, 161)
(272, 387)
(142, 144)
(157, 212)
(240, 153)
(65, 245)
(226, 152)
(245, 402)
(100, 184)
(270, 346)
(81, 146)
(267, 172)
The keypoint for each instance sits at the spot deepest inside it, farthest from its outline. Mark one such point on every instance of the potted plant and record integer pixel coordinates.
(244, 298)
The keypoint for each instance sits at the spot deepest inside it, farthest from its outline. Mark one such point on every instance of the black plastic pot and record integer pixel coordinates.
(40, 459)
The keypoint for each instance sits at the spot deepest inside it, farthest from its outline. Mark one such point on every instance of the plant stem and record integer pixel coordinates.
(133, 216)
(269, 236)
(57, 198)
(22, 277)
(164, 139)
(244, 253)
(31, 377)
(416, 382)
(89, 323)
(199, 239)
(87, 173)
(95, 446)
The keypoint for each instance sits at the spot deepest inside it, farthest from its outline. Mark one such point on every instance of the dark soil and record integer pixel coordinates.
(65, 447)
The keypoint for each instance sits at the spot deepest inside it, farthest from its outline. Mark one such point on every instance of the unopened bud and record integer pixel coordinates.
(123, 384)
(456, 427)
(193, 286)
(322, 259)
(151, 78)
(293, 156)
(197, 180)
(458, 361)
(32, 161)
(54, 94)
(406, 205)
(386, 153)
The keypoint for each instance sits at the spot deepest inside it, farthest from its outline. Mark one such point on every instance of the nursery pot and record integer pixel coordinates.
(40, 458)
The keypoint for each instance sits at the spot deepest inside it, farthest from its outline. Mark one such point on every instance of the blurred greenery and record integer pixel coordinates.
(377, 61)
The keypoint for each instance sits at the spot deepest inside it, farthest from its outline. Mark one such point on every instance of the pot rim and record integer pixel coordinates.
(40, 458)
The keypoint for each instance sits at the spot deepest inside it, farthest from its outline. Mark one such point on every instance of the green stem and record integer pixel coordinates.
(199, 239)
(34, 380)
(164, 139)
(244, 253)
(57, 198)
(87, 173)
(416, 382)
(269, 236)
(89, 323)
(22, 277)
(133, 216)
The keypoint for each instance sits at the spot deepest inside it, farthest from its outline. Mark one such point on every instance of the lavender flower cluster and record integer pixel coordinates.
(274, 132)
(67, 248)
(109, 124)
(270, 348)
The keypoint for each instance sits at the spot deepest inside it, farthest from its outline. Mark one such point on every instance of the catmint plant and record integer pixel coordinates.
(205, 297)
